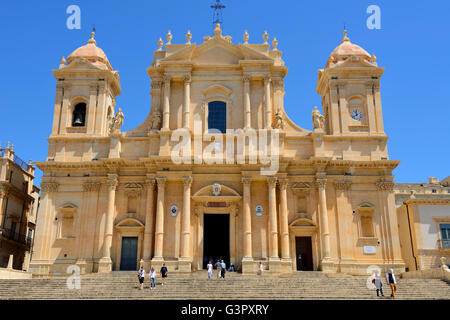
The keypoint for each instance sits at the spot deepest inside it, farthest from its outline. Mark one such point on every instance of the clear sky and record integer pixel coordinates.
(413, 45)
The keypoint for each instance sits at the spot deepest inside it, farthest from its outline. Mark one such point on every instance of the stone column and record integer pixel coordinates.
(247, 261)
(370, 108)
(186, 252)
(3, 194)
(343, 109)
(326, 257)
(147, 246)
(166, 103)
(284, 226)
(274, 259)
(187, 101)
(267, 105)
(159, 227)
(105, 263)
(247, 114)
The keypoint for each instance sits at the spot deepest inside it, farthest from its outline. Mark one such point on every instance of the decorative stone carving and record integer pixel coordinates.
(112, 181)
(216, 189)
(49, 186)
(321, 182)
(271, 181)
(275, 44)
(279, 122)
(161, 182)
(265, 37)
(317, 119)
(342, 184)
(283, 183)
(443, 263)
(188, 37)
(383, 185)
(150, 184)
(160, 44)
(91, 186)
(246, 180)
(246, 37)
(155, 121)
(169, 37)
(116, 122)
(187, 181)
(133, 189)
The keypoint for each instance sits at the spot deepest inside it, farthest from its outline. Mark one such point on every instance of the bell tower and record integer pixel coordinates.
(86, 92)
(350, 89)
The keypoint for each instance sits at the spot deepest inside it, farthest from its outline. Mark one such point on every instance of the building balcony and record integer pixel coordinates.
(16, 237)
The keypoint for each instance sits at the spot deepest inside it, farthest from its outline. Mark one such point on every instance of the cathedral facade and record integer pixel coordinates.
(217, 169)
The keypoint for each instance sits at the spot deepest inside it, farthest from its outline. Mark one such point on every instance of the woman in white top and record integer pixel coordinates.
(152, 274)
(210, 269)
(141, 275)
(261, 268)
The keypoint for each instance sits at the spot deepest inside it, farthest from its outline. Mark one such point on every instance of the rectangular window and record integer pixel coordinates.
(445, 235)
(217, 116)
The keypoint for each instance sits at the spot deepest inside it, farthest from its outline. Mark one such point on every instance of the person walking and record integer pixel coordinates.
(261, 268)
(219, 269)
(152, 275)
(392, 282)
(210, 269)
(163, 272)
(223, 269)
(141, 276)
(378, 283)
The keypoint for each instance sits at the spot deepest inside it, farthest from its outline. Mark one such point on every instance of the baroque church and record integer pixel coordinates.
(114, 200)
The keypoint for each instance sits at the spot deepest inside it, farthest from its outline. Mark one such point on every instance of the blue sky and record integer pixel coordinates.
(413, 45)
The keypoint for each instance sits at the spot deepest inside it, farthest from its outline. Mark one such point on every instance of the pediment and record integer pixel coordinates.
(302, 222)
(217, 55)
(355, 62)
(80, 63)
(130, 223)
(208, 191)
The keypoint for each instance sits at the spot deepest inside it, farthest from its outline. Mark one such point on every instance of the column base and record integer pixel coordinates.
(248, 266)
(286, 265)
(81, 263)
(157, 263)
(274, 265)
(328, 266)
(184, 265)
(104, 265)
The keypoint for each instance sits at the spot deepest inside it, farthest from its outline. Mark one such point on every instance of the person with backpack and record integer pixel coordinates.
(141, 276)
(378, 283)
(152, 275)
(392, 282)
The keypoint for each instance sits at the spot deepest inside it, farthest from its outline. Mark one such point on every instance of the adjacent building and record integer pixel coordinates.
(423, 211)
(218, 169)
(19, 202)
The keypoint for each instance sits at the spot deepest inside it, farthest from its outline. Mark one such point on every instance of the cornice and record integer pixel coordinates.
(428, 201)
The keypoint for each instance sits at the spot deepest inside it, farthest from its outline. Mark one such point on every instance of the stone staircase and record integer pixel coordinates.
(196, 286)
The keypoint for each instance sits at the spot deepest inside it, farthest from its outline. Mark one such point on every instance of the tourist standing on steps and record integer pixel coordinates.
(163, 273)
(378, 283)
(219, 269)
(141, 276)
(152, 274)
(260, 271)
(210, 269)
(223, 269)
(392, 282)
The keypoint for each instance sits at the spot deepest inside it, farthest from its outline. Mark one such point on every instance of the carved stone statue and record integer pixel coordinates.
(317, 119)
(155, 122)
(116, 122)
(278, 120)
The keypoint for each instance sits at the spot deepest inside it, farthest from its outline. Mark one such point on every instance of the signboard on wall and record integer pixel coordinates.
(370, 250)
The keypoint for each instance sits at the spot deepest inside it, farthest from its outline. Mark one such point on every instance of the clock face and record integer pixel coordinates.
(356, 114)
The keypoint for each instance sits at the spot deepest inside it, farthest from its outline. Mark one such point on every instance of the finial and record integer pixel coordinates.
(63, 60)
(92, 40)
(275, 44)
(188, 37)
(246, 37)
(160, 44)
(7, 145)
(12, 147)
(373, 58)
(217, 30)
(265, 37)
(169, 37)
(345, 36)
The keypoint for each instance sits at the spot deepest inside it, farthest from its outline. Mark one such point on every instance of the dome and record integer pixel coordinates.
(91, 52)
(347, 49)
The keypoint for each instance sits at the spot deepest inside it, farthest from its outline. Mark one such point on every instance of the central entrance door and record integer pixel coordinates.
(128, 261)
(216, 238)
(303, 247)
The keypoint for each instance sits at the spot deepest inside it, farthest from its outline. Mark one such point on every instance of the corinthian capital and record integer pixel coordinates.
(272, 181)
(283, 183)
(161, 181)
(246, 78)
(49, 186)
(342, 184)
(112, 181)
(246, 180)
(321, 183)
(187, 181)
